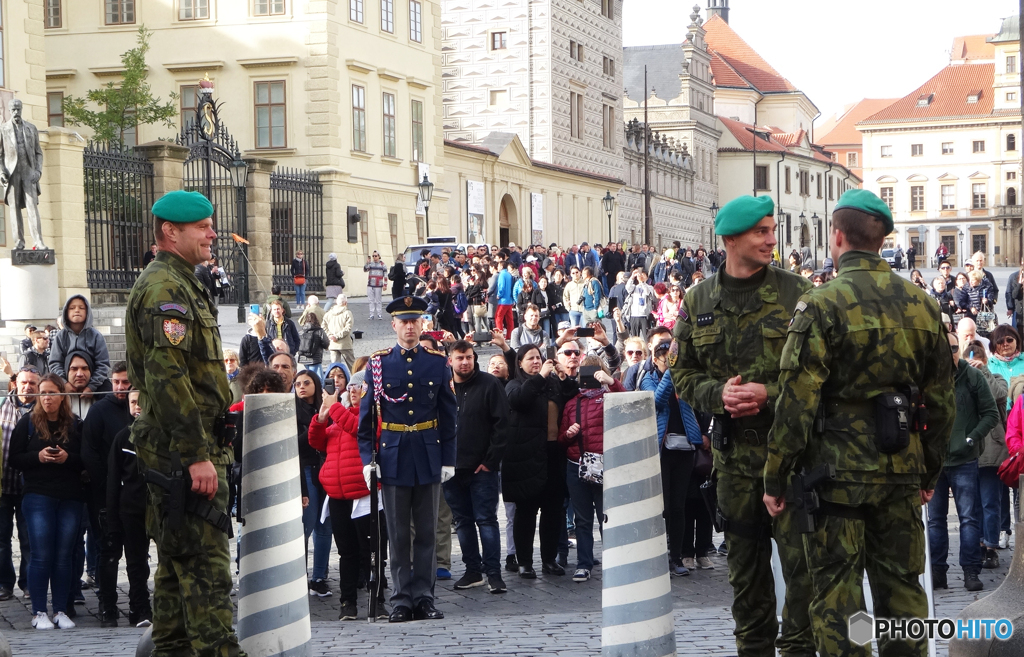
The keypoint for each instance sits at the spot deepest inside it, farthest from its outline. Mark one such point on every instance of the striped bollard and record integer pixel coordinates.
(637, 593)
(273, 604)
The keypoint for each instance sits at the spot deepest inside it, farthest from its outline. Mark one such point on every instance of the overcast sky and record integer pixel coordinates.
(835, 51)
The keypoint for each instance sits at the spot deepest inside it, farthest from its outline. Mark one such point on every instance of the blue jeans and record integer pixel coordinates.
(575, 318)
(11, 511)
(473, 499)
(315, 368)
(558, 319)
(321, 531)
(53, 527)
(587, 499)
(963, 480)
(300, 295)
(991, 490)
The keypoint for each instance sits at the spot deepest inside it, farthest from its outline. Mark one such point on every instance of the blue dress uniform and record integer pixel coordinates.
(413, 390)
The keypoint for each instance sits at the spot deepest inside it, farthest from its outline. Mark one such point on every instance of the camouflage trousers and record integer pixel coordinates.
(192, 609)
(750, 573)
(889, 543)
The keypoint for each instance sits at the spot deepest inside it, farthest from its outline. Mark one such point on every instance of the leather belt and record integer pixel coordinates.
(422, 426)
(865, 408)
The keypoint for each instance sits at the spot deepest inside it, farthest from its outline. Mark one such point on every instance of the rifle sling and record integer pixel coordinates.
(202, 508)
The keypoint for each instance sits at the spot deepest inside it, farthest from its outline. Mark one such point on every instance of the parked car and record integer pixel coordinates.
(889, 255)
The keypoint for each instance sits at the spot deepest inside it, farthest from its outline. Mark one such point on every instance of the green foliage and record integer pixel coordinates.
(122, 105)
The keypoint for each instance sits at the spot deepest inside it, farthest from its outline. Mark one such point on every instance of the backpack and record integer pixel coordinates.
(460, 302)
(306, 341)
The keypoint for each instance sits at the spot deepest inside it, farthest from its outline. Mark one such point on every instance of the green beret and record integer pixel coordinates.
(868, 203)
(741, 214)
(183, 207)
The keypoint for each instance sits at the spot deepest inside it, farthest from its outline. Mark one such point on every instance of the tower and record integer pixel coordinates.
(719, 8)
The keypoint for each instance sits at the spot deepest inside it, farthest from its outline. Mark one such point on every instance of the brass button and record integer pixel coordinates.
(431, 383)
(385, 444)
(408, 360)
(411, 412)
(410, 385)
(438, 442)
(410, 399)
(410, 372)
(389, 385)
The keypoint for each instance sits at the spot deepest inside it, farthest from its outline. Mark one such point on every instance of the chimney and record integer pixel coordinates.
(719, 8)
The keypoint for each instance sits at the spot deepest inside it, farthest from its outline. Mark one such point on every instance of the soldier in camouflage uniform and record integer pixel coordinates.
(174, 359)
(856, 349)
(729, 337)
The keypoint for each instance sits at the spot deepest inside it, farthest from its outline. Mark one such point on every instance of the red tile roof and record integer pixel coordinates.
(735, 64)
(778, 141)
(842, 129)
(975, 46)
(742, 132)
(948, 90)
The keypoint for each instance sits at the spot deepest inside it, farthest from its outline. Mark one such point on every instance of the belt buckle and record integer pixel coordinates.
(751, 437)
(406, 428)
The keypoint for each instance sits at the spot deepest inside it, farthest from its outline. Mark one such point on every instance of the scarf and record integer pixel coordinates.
(1006, 359)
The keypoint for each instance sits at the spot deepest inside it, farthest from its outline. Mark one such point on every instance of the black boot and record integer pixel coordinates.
(108, 618)
(972, 582)
(939, 580)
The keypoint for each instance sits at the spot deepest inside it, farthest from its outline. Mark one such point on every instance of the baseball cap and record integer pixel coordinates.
(511, 244)
(563, 326)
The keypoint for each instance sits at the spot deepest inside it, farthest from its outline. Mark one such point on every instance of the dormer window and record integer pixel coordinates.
(973, 97)
(925, 101)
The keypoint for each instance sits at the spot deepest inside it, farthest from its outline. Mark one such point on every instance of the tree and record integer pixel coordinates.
(123, 105)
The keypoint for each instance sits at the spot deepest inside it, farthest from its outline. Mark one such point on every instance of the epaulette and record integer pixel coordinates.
(382, 352)
(436, 352)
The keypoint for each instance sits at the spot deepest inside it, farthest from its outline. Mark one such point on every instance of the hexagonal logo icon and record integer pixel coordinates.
(861, 627)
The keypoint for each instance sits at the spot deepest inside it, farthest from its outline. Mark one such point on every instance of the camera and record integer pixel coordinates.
(481, 337)
(254, 308)
(329, 386)
(584, 332)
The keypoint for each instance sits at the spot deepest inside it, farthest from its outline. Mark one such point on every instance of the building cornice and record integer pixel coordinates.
(198, 67)
(266, 62)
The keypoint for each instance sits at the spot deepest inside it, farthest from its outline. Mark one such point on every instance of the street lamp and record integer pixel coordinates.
(426, 192)
(239, 171)
(714, 213)
(961, 258)
(608, 200)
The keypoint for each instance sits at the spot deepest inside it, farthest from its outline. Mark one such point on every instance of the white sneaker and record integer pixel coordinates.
(689, 563)
(1004, 540)
(42, 622)
(705, 563)
(62, 621)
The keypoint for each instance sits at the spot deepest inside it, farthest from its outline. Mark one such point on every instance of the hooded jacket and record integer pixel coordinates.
(976, 415)
(338, 322)
(334, 273)
(88, 340)
(591, 418)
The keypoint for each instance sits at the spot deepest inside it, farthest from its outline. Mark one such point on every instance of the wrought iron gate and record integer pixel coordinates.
(297, 224)
(214, 167)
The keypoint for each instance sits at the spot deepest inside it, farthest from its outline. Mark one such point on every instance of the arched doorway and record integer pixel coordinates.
(508, 221)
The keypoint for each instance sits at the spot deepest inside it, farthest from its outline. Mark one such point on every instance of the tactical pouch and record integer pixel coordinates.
(892, 422)
(720, 433)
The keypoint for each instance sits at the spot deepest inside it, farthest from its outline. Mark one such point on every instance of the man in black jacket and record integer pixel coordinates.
(397, 276)
(105, 420)
(483, 413)
(612, 262)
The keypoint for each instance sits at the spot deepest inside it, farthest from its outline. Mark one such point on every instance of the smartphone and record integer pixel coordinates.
(552, 352)
(587, 380)
(437, 335)
(613, 303)
(584, 332)
(254, 308)
(481, 337)
(329, 386)
(52, 450)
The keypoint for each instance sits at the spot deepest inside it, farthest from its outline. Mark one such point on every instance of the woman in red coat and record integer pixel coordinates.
(333, 431)
(582, 430)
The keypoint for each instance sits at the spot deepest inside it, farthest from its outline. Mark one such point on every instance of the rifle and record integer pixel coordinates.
(374, 524)
(178, 498)
(805, 495)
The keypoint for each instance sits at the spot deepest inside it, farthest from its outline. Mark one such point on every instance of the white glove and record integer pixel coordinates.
(366, 475)
(447, 472)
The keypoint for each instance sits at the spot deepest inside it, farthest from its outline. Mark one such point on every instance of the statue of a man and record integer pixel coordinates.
(21, 167)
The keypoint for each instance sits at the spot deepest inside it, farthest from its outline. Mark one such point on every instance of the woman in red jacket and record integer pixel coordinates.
(582, 430)
(333, 431)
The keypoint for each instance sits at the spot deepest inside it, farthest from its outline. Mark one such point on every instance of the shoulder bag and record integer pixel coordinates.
(591, 463)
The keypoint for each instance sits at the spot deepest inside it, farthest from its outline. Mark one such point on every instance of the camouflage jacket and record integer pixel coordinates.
(717, 339)
(867, 332)
(175, 360)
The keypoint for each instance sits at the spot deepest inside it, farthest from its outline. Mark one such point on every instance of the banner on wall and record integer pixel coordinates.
(474, 212)
(537, 217)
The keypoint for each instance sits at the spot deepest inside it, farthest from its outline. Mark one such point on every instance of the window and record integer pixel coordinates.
(575, 115)
(1011, 196)
(572, 49)
(364, 232)
(270, 115)
(576, 51)
(978, 146)
(979, 243)
(886, 196)
(390, 148)
(130, 135)
(120, 12)
(917, 198)
(886, 151)
(358, 118)
(947, 148)
(608, 66)
(393, 227)
(805, 183)
(187, 99)
(55, 109)
(192, 10)
(761, 178)
(416, 21)
(355, 10)
(818, 180)
(788, 186)
(608, 121)
(608, 8)
(579, 52)
(498, 97)
(949, 197)
(387, 15)
(1011, 175)
(973, 98)
(852, 160)
(978, 196)
(916, 150)
(268, 7)
(417, 131)
(1011, 96)
(831, 189)
(53, 14)
(1011, 64)
(499, 40)
(1011, 142)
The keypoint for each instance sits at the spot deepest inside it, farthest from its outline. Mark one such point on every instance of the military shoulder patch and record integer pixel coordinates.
(175, 331)
(382, 352)
(436, 352)
(706, 320)
(177, 307)
(801, 306)
(682, 314)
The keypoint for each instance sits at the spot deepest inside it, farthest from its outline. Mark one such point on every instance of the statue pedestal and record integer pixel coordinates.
(28, 292)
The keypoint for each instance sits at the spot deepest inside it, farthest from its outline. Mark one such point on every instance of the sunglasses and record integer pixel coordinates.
(1006, 340)
(637, 352)
(570, 352)
(945, 268)
(954, 348)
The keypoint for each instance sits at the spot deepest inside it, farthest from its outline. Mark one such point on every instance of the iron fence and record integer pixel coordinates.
(297, 224)
(118, 221)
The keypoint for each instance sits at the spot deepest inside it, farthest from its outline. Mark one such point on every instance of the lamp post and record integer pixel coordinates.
(714, 213)
(426, 192)
(239, 171)
(816, 220)
(608, 200)
(961, 259)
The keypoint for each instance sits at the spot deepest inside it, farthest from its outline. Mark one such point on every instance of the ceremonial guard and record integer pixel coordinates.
(410, 394)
